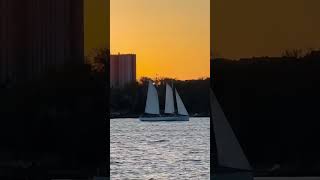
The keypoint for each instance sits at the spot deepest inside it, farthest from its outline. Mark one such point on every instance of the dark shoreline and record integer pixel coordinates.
(137, 116)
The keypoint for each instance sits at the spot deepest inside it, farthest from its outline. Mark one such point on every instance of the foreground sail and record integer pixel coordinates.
(231, 162)
(181, 108)
(152, 112)
(152, 103)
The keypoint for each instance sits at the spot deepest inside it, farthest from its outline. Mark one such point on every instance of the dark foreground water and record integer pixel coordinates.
(160, 150)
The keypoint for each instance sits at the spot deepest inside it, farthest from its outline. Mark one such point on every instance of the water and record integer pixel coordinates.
(160, 150)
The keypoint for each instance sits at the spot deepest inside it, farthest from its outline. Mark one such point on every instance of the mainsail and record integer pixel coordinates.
(229, 151)
(181, 108)
(152, 104)
(169, 106)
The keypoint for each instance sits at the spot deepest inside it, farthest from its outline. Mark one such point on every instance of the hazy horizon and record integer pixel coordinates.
(176, 79)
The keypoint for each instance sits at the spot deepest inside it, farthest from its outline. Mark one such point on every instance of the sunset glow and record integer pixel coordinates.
(171, 38)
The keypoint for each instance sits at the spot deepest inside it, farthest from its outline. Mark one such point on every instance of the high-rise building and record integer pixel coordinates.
(35, 37)
(122, 69)
(39, 34)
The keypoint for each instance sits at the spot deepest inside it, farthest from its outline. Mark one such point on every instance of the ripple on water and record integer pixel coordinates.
(160, 150)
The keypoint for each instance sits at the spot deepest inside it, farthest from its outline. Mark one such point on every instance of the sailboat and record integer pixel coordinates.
(230, 162)
(152, 109)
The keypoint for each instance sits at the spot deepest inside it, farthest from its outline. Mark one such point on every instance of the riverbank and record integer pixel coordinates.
(119, 116)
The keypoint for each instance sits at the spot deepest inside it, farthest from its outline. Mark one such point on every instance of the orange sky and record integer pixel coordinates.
(171, 38)
(246, 28)
(96, 25)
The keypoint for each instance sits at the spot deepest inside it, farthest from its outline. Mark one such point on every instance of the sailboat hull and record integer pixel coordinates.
(164, 118)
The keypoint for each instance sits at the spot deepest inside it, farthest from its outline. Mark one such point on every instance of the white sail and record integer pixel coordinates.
(229, 151)
(169, 106)
(181, 108)
(152, 103)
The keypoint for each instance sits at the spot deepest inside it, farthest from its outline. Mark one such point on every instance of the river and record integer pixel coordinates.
(160, 150)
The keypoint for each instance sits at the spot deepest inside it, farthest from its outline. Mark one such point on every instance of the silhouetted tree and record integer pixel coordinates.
(98, 59)
(293, 53)
(130, 100)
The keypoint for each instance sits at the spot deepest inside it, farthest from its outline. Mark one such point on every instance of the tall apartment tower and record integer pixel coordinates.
(37, 35)
(122, 69)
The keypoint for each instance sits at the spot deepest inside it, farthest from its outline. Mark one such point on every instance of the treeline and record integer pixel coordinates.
(129, 101)
(273, 106)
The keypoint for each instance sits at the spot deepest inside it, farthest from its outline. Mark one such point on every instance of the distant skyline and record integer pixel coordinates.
(249, 28)
(171, 38)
